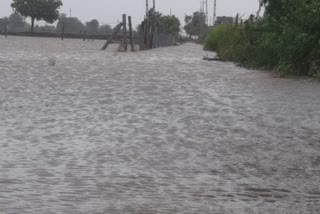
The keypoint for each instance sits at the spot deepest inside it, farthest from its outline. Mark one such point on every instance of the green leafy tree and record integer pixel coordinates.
(17, 23)
(170, 24)
(46, 10)
(286, 38)
(71, 25)
(3, 22)
(195, 24)
(105, 29)
(92, 26)
(45, 29)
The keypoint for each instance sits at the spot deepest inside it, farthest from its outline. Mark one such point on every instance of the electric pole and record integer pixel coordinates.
(207, 15)
(147, 8)
(214, 12)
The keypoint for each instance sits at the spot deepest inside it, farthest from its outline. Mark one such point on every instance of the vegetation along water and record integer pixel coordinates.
(286, 38)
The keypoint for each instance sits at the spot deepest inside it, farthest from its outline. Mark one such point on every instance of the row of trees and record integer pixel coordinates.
(17, 23)
(168, 24)
(286, 38)
(196, 24)
(74, 25)
(48, 10)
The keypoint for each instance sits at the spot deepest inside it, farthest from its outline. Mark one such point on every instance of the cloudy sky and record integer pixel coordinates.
(109, 11)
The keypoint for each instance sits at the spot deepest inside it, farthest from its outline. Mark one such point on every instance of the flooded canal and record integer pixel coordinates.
(153, 132)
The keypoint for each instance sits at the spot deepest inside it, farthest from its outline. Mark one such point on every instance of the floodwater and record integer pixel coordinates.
(153, 132)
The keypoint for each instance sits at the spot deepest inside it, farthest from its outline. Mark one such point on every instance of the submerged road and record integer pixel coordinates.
(153, 132)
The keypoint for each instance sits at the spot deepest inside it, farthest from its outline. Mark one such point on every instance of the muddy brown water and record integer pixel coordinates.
(158, 131)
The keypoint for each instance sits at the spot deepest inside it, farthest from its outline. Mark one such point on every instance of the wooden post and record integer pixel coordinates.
(124, 33)
(84, 35)
(6, 30)
(151, 31)
(116, 30)
(131, 34)
(62, 32)
(146, 33)
(142, 30)
(156, 36)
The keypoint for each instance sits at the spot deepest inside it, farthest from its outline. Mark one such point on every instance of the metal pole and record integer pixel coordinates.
(6, 30)
(124, 32)
(203, 6)
(214, 12)
(130, 33)
(207, 20)
(62, 32)
(147, 8)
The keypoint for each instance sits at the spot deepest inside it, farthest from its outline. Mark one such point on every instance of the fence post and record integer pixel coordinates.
(62, 32)
(131, 34)
(142, 39)
(84, 35)
(124, 33)
(6, 30)
(147, 33)
(116, 30)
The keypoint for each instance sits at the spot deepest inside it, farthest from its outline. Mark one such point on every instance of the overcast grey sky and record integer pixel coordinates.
(109, 11)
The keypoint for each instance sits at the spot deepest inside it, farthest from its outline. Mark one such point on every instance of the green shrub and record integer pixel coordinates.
(286, 39)
(227, 41)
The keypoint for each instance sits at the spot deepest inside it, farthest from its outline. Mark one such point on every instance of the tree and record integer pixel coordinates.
(46, 29)
(46, 10)
(105, 29)
(92, 26)
(3, 22)
(71, 25)
(16, 23)
(195, 24)
(286, 38)
(170, 24)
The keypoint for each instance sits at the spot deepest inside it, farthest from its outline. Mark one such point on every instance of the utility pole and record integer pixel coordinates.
(6, 29)
(203, 6)
(154, 27)
(207, 15)
(214, 12)
(147, 8)
(201, 18)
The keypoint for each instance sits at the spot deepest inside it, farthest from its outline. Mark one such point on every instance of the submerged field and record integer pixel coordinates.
(158, 131)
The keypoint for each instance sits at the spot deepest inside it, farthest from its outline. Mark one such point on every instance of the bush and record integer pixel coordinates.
(287, 40)
(228, 41)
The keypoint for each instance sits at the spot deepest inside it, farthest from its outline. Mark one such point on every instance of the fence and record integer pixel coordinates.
(148, 36)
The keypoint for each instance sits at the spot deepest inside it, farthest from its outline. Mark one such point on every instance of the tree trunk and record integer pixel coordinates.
(32, 24)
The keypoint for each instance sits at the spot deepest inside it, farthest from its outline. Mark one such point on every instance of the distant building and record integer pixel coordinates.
(224, 20)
